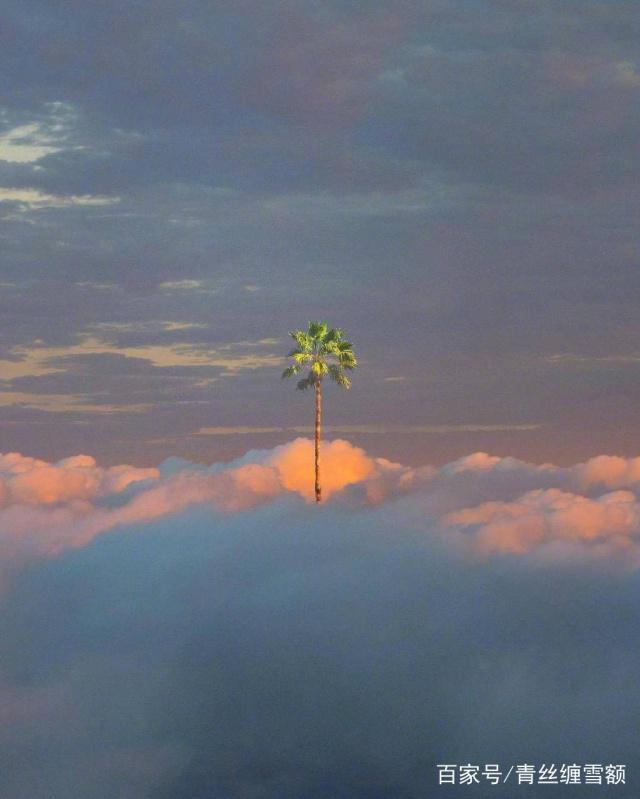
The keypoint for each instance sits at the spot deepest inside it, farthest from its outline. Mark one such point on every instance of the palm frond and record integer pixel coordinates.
(319, 368)
(300, 357)
(347, 360)
(302, 339)
(338, 376)
(290, 371)
(317, 330)
(325, 351)
(331, 348)
(333, 336)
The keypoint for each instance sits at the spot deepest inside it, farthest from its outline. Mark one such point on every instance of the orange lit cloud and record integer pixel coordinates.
(47, 508)
(27, 481)
(554, 520)
(484, 503)
(608, 470)
(342, 464)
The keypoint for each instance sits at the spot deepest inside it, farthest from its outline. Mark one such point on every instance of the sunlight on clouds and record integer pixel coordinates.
(172, 286)
(37, 360)
(65, 403)
(34, 199)
(151, 325)
(170, 326)
(40, 360)
(26, 144)
(481, 504)
(551, 516)
(93, 285)
(261, 342)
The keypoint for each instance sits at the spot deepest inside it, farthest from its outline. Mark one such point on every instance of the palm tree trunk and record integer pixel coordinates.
(317, 450)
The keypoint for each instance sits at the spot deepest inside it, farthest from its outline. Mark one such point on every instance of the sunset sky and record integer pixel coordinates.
(455, 184)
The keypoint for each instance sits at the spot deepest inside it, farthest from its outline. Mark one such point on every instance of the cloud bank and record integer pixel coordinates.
(480, 502)
(199, 631)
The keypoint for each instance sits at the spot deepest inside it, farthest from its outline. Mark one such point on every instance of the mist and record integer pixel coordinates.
(207, 631)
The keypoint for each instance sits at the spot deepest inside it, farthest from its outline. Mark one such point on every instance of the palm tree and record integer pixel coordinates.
(325, 352)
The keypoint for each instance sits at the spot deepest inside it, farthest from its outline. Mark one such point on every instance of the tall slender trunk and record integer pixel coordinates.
(317, 451)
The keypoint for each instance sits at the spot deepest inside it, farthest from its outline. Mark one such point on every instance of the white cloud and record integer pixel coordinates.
(171, 286)
(34, 199)
(26, 144)
(29, 142)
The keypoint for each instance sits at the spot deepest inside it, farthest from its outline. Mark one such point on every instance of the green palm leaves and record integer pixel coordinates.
(321, 351)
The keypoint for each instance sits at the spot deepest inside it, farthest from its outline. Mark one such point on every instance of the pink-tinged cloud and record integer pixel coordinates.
(52, 507)
(28, 481)
(484, 503)
(552, 518)
(608, 470)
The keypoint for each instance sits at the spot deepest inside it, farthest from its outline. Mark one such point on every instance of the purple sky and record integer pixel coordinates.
(454, 184)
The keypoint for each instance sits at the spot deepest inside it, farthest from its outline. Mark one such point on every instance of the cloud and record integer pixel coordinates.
(47, 508)
(383, 429)
(199, 286)
(89, 375)
(342, 465)
(30, 199)
(40, 360)
(25, 144)
(150, 325)
(608, 470)
(609, 524)
(481, 504)
(419, 428)
(237, 430)
(56, 402)
(230, 639)
(29, 481)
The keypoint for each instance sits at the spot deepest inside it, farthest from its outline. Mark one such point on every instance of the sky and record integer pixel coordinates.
(452, 183)
(455, 184)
